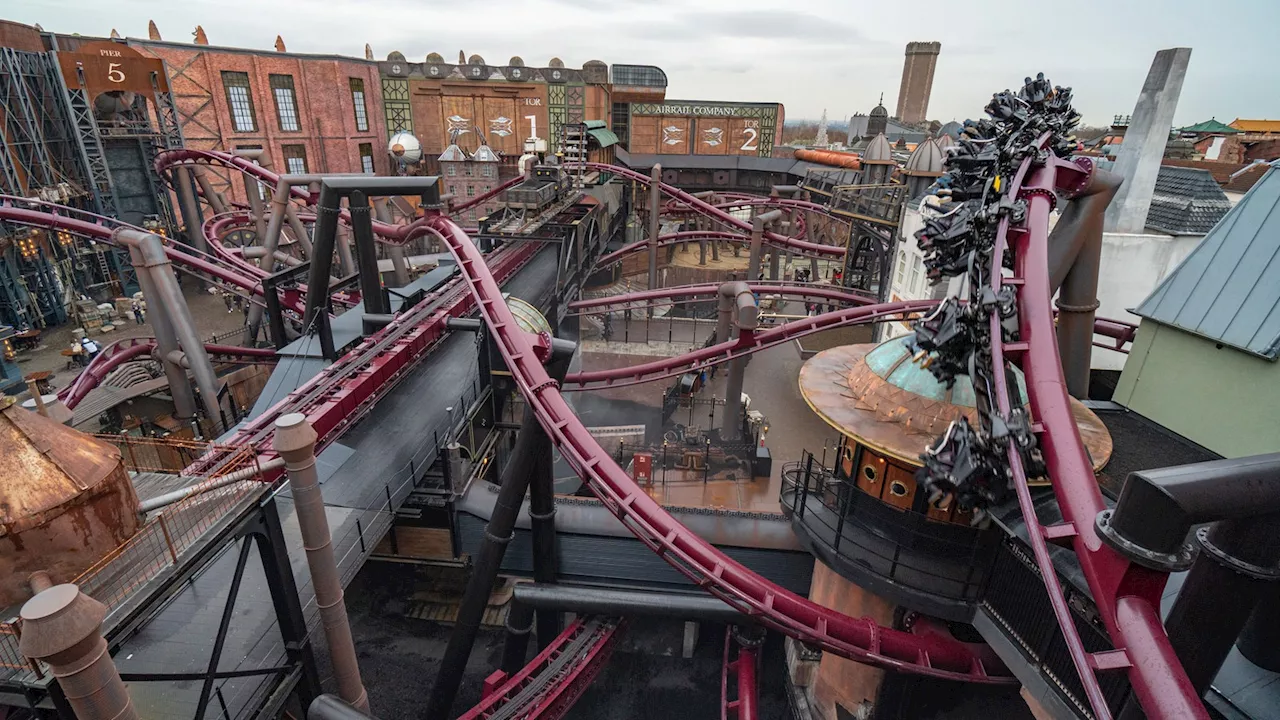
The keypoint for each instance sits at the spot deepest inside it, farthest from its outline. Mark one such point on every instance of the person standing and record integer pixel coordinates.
(136, 308)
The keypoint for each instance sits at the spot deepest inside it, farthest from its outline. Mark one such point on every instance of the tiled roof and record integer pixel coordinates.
(1257, 126)
(1212, 125)
(1242, 181)
(1187, 201)
(1221, 171)
(1225, 290)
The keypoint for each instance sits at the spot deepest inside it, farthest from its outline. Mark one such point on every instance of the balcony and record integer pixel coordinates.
(934, 567)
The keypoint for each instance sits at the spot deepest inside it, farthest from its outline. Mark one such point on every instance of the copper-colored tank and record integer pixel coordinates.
(830, 157)
(65, 501)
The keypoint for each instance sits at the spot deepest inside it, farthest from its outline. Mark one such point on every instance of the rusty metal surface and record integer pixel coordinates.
(843, 390)
(45, 466)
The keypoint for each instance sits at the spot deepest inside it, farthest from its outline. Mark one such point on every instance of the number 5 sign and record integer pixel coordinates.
(114, 73)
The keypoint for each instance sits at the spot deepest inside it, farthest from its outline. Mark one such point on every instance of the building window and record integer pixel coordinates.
(471, 191)
(286, 102)
(466, 170)
(902, 267)
(366, 158)
(915, 277)
(357, 99)
(487, 171)
(240, 100)
(295, 159)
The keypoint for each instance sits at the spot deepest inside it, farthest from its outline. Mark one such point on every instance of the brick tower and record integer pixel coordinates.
(917, 81)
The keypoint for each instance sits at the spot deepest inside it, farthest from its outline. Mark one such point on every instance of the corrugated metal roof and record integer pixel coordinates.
(1257, 126)
(1226, 289)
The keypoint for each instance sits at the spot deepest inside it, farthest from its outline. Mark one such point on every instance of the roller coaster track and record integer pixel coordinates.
(858, 639)
(743, 671)
(123, 351)
(687, 235)
(550, 684)
(715, 213)
(745, 344)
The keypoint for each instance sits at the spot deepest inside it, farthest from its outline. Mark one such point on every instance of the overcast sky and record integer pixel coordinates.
(809, 56)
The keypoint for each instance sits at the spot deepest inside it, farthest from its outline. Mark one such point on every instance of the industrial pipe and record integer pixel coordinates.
(1157, 508)
(331, 707)
(165, 285)
(295, 441)
(515, 645)
(399, 267)
(832, 158)
(62, 627)
(184, 399)
(1075, 253)
(737, 305)
(758, 224)
(211, 196)
(542, 502)
(190, 208)
(615, 602)
(203, 486)
(655, 222)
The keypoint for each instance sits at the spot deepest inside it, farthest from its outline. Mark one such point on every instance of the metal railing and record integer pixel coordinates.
(161, 542)
(942, 559)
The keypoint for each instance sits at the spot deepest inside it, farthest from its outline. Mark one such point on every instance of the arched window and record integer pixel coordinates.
(902, 266)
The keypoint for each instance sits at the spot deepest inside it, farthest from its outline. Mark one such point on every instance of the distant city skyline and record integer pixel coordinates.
(752, 51)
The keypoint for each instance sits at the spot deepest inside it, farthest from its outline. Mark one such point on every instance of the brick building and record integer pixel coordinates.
(312, 113)
(917, 81)
(466, 175)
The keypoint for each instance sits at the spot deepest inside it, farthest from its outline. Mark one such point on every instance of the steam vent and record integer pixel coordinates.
(65, 501)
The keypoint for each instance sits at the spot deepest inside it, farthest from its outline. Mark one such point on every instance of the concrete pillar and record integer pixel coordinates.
(399, 266)
(184, 399)
(63, 627)
(295, 441)
(655, 226)
(1138, 161)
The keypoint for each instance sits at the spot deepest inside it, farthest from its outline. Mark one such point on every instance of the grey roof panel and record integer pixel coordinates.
(1187, 201)
(1228, 288)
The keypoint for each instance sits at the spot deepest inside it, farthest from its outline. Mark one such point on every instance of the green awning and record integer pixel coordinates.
(603, 136)
(595, 124)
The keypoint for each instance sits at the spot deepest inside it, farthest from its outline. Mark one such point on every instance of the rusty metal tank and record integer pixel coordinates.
(65, 501)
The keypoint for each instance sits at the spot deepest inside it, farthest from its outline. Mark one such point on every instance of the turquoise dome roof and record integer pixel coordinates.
(891, 360)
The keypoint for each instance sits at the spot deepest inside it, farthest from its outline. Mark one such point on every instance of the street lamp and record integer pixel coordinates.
(706, 462)
(664, 463)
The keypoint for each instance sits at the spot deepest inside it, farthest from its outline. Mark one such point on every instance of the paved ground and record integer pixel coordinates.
(209, 312)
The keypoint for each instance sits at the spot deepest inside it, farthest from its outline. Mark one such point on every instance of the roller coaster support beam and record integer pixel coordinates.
(399, 267)
(190, 208)
(151, 260)
(515, 646)
(737, 306)
(626, 603)
(184, 399)
(1239, 558)
(758, 225)
(516, 477)
(211, 196)
(329, 206)
(655, 222)
(253, 191)
(371, 294)
(542, 504)
(1075, 253)
(270, 242)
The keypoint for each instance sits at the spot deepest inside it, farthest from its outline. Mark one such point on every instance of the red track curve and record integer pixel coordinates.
(858, 639)
(715, 213)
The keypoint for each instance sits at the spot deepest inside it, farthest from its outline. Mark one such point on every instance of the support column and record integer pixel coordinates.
(374, 300)
(299, 230)
(62, 627)
(515, 645)
(399, 266)
(542, 507)
(190, 208)
(741, 305)
(516, 477)
(655, 225)
(295, 440)
(270, 241)
(184, 399)
(1138, 160)
(346, 263)
(211, 196)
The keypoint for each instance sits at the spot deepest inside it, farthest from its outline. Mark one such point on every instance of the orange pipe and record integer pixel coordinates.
(833, 158)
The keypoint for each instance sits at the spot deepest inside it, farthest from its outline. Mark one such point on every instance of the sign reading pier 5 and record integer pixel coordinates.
(111, 66)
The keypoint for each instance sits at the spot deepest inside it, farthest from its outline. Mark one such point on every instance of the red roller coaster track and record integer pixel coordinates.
(715, 213)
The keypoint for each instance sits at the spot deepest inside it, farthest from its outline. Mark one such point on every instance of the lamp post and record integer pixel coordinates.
(664, 464)
(706, 462)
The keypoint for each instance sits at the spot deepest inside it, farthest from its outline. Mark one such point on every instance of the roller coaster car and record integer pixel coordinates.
(545, 187)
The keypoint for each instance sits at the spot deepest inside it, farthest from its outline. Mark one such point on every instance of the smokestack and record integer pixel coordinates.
(295, 440)
(62, 627)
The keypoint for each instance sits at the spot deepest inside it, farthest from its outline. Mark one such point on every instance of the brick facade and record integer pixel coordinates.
(326, 115)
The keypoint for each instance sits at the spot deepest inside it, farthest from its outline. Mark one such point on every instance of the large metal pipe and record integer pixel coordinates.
(737, 296)
(270, 241)
(516, 477)
(399, 267)
(62, 627)
(295, 441)
(192, 216)
(346, 263)
(1075, 254)
(655, 222)
(211, 196)
(615, 602)
(165, 283)
(1260, 639)
(202, 486)
(542, 504)
(184, 398)
(758, 225)
(515, 645)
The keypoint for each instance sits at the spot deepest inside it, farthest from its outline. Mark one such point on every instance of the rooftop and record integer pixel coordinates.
(1187, 201)
(1210, 126)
